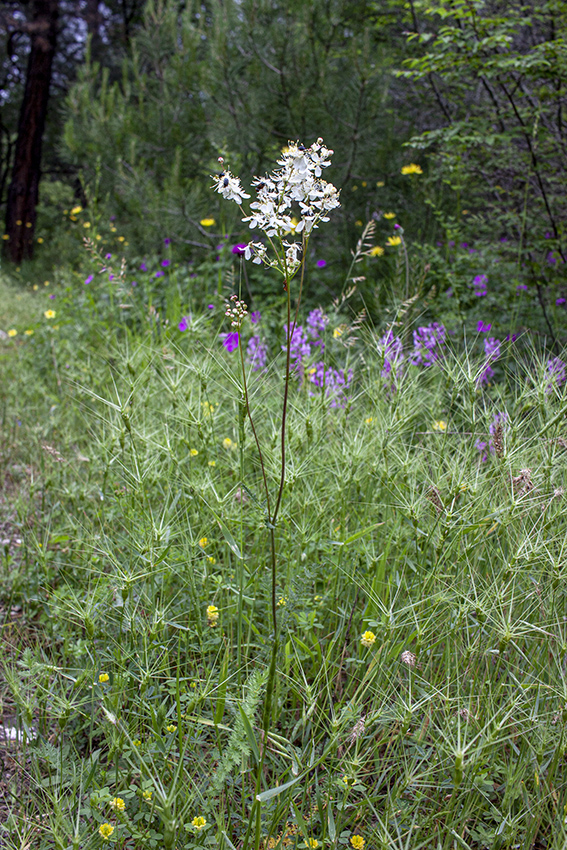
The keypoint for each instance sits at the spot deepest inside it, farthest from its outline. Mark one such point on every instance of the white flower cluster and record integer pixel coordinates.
(237, 311)
(297, 184)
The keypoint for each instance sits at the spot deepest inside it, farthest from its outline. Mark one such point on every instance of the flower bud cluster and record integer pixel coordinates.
(237, 311)
(297, 184)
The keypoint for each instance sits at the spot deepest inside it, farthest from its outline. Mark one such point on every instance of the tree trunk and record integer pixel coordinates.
(24, 187)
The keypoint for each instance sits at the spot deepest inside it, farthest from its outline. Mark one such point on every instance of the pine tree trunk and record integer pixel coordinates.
(24, 186)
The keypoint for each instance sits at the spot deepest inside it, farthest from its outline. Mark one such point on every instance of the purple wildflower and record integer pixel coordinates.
(52, 296)
(134, 283)
(239, 248)
(184, 323)
(89, 279)
(321, 264)
(167, 241)
(256, 353)
(111, 277)
(210, 306)
(230, 341)
(483, 327)
(425, 342)
(521, 287)
(255, 317)
(559, 301)
(492, 348)
(333, 382)
(159, 274)
(317, 321)
(556, 372)
(108, 256)
(143, 267)
(392, 349)
(481, 446)
(165, 263)
(499, 419)
(479, 283)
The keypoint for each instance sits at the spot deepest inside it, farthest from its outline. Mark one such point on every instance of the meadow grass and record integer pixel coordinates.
(137, 633)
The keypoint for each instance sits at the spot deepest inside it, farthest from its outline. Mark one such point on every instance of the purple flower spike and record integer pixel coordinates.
(143, 267)
(239, 248)
(256, 353)
(89, 279)
(483, 328)
(230, 341)
(165, 263)
(255, 317)
(184, 323)
(321, 264)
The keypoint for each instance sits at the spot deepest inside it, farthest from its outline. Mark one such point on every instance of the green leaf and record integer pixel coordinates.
(223, 679)
(250, 734)
(273, 792)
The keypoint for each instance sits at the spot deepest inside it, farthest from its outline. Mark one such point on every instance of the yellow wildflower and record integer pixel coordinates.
(337, 333)
(118, 804)
(412, 168)
(76, 210)
(312, 843)
(203, 542)
(357, 841)
(19, 222)
(210, 559)
(389, 215)
(358, 222)
(50, 314)
(368, 638)
(40, 239)
(147, 796)
(29, 332)
(376, 251)
(439, 425)
(364, 184)
(199, 822)
(212, 615)
(193, 452)
(394, 240)
(137, 742)
(86, 224)
(35, 287)
(5, 236)
(207, 222)
(227, 443)
(369, 420)
(171, 728)
(103, 677)
(46, 283)
(105, 830)
(12, 332)
(354, 188)
(380, 183)
(282, 602)
(212, 463)
(121, 238)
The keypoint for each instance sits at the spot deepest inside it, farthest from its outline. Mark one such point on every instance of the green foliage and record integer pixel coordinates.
(451, 722)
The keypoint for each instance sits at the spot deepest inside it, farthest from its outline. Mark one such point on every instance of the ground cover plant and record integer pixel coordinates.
(398, 679)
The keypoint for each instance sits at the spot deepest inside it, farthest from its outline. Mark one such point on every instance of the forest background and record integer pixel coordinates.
(144, 97)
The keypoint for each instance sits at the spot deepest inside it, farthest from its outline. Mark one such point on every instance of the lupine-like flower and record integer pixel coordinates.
(479, 283)
(426, 343)
(392, 349)
(317, 321)
(483, 327)
(556, 372)
(492, 352)
(256, 353)
(333, 382)
(230, 341)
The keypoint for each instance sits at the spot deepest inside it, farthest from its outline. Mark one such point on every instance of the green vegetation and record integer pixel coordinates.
(273, 589)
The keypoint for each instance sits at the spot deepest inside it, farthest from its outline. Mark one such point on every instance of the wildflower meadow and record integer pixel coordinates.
(282, 507)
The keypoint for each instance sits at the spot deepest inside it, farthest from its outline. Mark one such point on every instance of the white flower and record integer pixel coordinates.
(229, 187)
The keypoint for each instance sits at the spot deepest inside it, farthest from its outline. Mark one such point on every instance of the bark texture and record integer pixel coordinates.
(24, 186)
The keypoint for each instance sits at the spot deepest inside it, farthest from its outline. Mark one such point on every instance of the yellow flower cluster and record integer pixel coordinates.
(199, 822)
(212, 615)
(368, 639)
(357, 841)
(105, 830)
(118, 804)
(412, 168)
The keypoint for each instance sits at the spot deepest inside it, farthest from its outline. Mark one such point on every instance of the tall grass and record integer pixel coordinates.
(140, 502)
